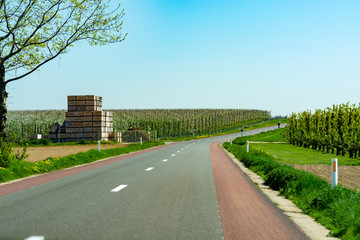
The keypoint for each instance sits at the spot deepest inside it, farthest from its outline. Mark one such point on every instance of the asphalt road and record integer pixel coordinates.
(168, 193)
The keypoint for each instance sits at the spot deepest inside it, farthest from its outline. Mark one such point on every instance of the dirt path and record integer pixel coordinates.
(41, 153)
(349, 176)
(245, 212)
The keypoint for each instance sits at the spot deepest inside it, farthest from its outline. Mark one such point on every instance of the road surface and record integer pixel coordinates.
(188, 190)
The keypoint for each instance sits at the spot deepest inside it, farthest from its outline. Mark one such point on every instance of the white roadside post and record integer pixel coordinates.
(99, 141)
(247, 145)
(334, 172)
(140, 140)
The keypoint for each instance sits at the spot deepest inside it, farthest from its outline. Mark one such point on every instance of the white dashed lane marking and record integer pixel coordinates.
(35, 238)
(149, 169)
(165, 160)
(173, 155)
(119, 188)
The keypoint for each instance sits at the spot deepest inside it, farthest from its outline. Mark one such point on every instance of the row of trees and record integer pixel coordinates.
(160, 122)
(183, 122)
(332, 129)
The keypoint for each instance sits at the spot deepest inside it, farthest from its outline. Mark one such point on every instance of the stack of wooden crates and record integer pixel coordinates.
(86, 120)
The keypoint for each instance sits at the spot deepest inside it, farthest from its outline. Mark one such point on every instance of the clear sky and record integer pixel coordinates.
(281, 56)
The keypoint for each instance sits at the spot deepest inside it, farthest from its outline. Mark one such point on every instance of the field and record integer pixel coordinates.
(349, 176)
(42, 153)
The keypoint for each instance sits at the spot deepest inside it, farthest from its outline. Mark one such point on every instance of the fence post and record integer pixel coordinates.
(98, 141)
(247, 145)
(334, 172)
(59, 134)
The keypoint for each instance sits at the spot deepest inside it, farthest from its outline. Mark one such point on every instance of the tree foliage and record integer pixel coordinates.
(333, 129)
(33, 32)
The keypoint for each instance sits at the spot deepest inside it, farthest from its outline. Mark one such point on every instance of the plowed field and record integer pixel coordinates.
(41, 153)
(349, 176)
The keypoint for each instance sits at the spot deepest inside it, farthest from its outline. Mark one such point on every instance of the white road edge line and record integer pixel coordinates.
(149, 169)
(122, 186)
(165, 160)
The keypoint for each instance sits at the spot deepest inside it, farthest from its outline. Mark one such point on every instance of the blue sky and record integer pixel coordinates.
(281, 56)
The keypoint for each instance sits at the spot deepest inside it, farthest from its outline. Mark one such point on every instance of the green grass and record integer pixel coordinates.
(337, 209)
(267, 124)
(287, 153)
(20, 169)
(269, 136)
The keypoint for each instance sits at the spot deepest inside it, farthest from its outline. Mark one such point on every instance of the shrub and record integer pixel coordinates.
(8, 155)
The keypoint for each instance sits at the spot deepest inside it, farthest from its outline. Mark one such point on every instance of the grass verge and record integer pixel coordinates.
(287, 153)
(21, 169)
(337, 209)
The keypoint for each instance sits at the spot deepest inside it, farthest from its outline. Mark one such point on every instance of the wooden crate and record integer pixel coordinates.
(96, 129)
(70, 135)
(90, 97)
(71, 98)
(70, 119)
(79, 114)
(70, 130)
(79, 135)
(96, 124)
(79, 119)
(71, 108)
(79, 124)
(87, 119)
(90, 103)
(90, 135)
(69, 114)
(71, 103)
(79, 130)
(80, 103)
(80, 108)
(90, 108)
(80, 98)
(87, 124)
(88, 129)
(98, 118)
(97, 113)
(70, 124)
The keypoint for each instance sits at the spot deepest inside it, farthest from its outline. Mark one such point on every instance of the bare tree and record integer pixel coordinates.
(34, 32)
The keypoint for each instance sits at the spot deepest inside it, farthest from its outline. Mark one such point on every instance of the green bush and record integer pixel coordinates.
(337, 209)
(8, 155)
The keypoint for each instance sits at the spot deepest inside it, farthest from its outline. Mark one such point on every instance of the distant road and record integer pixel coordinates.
(175, 192)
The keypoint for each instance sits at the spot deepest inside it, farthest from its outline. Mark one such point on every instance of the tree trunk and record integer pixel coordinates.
(3, 98)
(338, 150)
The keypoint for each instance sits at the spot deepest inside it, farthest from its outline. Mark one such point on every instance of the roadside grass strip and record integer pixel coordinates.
(337, 209)
(288, 153)
(21, 169)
